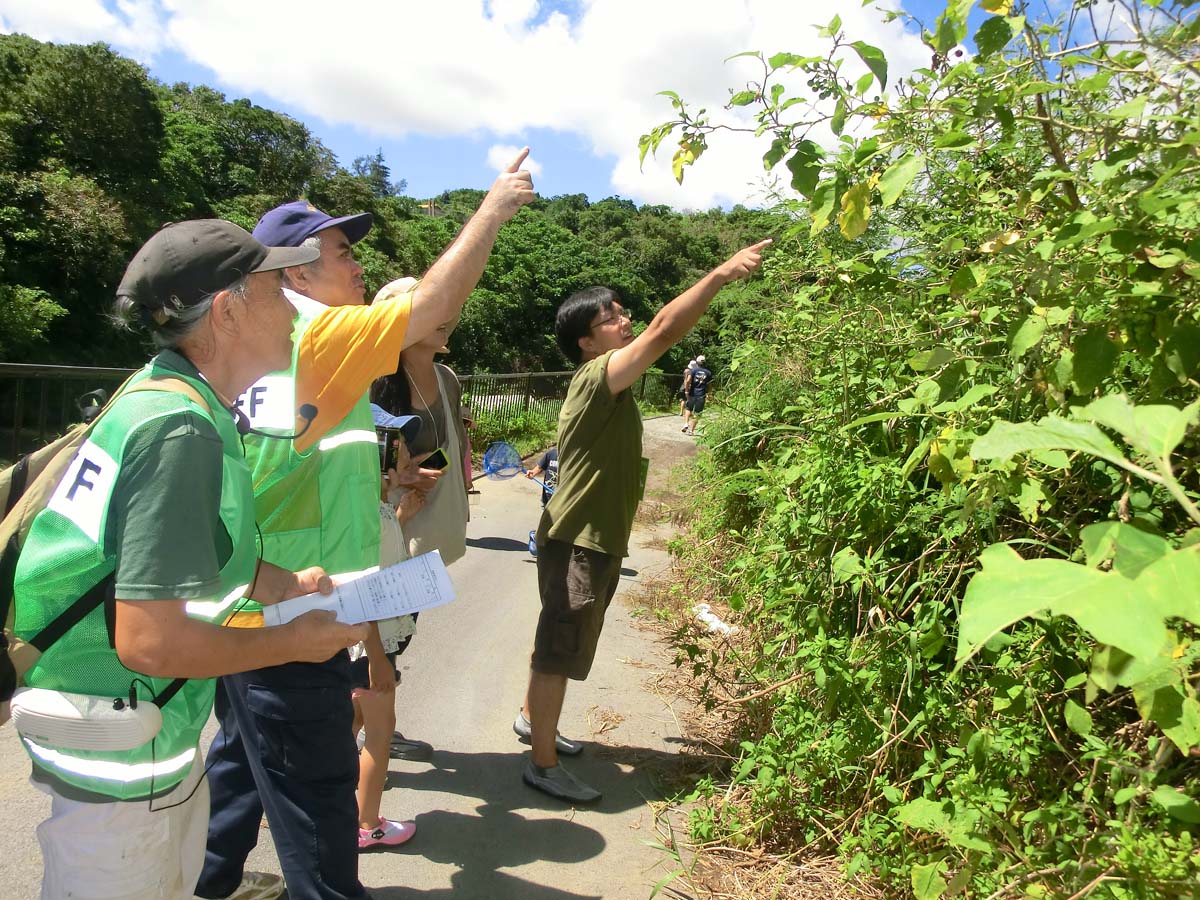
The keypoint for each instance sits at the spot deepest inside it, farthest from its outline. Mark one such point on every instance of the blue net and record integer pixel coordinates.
(501, 460)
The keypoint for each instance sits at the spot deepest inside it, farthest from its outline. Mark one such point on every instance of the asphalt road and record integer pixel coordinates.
(481, 832)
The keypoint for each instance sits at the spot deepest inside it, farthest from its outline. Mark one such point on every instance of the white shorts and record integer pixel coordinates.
(123, 850)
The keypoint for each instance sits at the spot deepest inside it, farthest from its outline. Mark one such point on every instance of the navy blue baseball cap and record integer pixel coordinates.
(410, 426)
(291, 224)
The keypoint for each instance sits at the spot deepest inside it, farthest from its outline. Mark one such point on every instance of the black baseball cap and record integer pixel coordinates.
(187, 261)
(290, 224)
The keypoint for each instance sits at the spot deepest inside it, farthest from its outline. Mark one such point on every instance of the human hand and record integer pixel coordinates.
(512, 190)
(427, 479)
(317, 635)
(410, 503)
(273, 584)
(424, 480)
(743, 263)
(312, 580)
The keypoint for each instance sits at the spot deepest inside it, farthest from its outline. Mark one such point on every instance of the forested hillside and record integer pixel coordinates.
(95, 155)
(955, 516)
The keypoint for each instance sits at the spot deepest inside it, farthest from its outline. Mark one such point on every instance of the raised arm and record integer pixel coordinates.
(678, 317)
(443, 290)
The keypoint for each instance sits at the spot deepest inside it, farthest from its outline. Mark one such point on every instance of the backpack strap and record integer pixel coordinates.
(73, 614)
(20, 481)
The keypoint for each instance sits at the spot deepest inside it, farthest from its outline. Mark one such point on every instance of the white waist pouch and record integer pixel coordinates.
(82, 721)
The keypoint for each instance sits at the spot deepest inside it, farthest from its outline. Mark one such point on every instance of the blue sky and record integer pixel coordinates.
(446, 90)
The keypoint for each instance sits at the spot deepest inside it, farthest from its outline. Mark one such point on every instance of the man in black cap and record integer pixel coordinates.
(286, 744)
(150, 528)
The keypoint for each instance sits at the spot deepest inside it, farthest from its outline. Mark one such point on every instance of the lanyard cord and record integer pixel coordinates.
(432, 415)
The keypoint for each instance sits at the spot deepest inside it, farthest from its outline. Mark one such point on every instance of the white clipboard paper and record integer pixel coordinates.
(411, 586)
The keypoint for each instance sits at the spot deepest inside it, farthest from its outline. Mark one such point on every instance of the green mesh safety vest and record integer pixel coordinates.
(65, 555)
(319, 507)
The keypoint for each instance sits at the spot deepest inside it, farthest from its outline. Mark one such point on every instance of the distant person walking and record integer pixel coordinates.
(698, 385)
(584, 531)
(683, 388)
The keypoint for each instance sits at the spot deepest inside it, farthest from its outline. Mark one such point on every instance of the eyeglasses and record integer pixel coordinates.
(623, 314)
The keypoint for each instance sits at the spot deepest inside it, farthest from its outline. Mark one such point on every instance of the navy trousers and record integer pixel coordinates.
(286, 746)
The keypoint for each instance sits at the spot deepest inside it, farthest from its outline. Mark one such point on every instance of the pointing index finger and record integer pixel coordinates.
(761, 244)
(515, 165)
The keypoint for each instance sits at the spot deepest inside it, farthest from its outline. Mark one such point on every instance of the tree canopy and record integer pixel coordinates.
(95, 155)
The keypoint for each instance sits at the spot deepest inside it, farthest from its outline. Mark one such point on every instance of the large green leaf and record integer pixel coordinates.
(1129, 549)
(967, 400)
(779, 147)
(967, 278)
(1171, 584)
(1177, 804)
(1078, 719)
(805, 166)
(926, 815)
(1167, 700)
(928, 360)
(1181, 351)
(875, 61)
(954, 140)
(838, 121)
(993, 36)
(898, 176)
(927, 881)
(1010, 588)
(823, 201)
(1028, 335)
(1006, 439)
(856, 211)
(1154, 430)
(1093, 361)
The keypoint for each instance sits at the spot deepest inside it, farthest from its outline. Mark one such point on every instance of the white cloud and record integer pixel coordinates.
(512, 13)
(480, 66)
(135, 26)
(500, 156)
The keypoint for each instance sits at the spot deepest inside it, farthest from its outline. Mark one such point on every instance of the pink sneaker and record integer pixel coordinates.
(387, 834)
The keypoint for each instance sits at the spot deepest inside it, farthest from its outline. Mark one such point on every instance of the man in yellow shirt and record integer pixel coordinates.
(286, 742)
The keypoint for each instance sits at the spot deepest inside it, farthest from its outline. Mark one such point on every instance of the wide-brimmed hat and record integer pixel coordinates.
(185, 262)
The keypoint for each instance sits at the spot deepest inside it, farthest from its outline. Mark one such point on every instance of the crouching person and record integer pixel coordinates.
(157, 510)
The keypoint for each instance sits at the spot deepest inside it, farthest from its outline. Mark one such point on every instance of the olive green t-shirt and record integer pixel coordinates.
(599, 465)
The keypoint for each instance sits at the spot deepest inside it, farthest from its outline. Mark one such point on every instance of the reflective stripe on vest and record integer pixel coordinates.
(108, 769)
(215, 610)
(319, 506)
(347, 437)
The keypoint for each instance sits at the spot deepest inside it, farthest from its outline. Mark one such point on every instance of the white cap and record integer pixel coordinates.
(700, 359)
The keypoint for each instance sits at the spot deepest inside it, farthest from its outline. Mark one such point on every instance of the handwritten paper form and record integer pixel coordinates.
(370, 595)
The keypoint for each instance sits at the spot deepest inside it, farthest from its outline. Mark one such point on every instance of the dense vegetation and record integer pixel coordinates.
(95, 156)
(984, 349)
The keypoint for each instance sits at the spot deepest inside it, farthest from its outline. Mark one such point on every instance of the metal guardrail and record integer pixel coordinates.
(38, 403)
